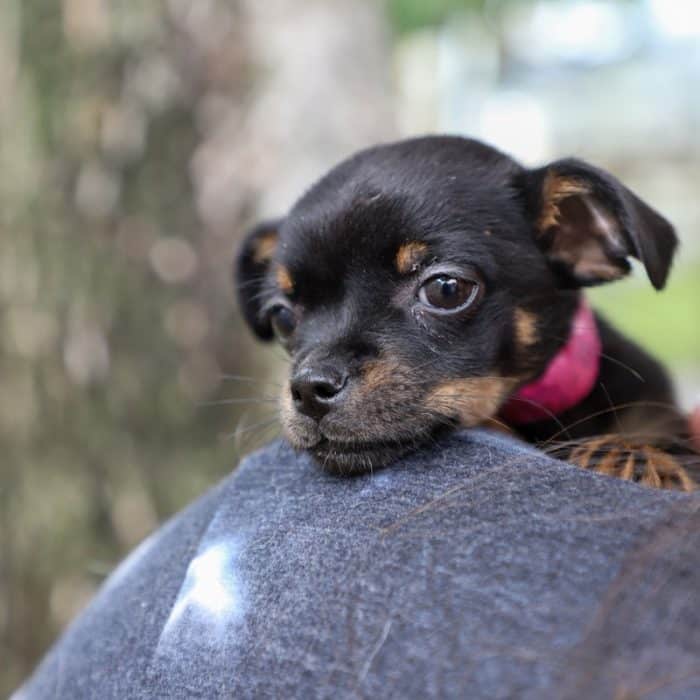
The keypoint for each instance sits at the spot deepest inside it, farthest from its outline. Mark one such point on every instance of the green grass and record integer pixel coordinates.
(410, 15)
(667, 323)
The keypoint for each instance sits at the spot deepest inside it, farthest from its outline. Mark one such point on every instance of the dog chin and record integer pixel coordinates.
(346, 458)
(357, 458)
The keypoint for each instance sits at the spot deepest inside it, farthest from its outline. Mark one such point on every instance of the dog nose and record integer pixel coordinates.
(316, 390)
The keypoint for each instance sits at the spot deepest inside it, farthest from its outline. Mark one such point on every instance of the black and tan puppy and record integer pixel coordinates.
(435, 282)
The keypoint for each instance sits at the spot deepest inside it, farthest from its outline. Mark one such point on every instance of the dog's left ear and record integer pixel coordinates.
(588, 224)
(251, 266)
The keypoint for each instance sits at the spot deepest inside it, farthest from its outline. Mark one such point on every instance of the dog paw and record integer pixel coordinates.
(615, 456)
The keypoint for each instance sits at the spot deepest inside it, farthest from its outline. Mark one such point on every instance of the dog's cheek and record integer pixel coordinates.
(382, 405)
(379, 375)
(373, 408)
(472, 401)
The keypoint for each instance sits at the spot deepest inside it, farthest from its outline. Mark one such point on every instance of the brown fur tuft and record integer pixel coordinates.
(616, 456)
(555, 189)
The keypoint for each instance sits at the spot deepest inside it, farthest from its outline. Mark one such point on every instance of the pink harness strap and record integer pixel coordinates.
(568, 379)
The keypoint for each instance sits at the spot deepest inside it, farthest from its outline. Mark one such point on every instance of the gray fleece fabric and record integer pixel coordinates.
(478, 568)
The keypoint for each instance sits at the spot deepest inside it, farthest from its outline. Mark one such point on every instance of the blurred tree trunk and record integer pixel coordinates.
(137, 142)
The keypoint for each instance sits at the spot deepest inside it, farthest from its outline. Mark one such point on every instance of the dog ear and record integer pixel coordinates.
(588, 224)
(251, 267)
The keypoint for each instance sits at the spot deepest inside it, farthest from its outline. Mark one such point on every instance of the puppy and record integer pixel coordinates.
(435, 283)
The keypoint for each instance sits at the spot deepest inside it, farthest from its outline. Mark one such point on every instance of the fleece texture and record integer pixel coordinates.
(478, 568)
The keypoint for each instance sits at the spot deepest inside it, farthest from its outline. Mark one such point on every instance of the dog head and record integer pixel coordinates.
(418, 284)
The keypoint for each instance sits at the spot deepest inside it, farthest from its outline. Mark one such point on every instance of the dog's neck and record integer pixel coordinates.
(568, 379)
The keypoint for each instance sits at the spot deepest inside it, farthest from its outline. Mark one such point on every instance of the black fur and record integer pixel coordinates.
(366, 353)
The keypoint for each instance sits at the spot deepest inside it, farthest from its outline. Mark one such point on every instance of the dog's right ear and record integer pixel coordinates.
(250, 270)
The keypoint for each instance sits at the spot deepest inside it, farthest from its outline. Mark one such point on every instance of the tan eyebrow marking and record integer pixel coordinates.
(409, 255)
(264, 248)
(284, 279)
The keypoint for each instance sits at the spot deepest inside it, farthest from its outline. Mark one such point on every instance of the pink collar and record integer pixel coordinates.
(568, 379)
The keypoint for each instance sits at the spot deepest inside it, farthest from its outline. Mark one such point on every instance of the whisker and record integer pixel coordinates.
(454, 402)
(257, 438)
(248, 428)
(614, 412)
(650, 404)
(623, 365)
(281, 355)
(248, 379)
(645, 437)
(246, 400)
(614, 360)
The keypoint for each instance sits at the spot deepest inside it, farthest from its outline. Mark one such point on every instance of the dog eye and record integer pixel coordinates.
(448, 293)
(283, 322)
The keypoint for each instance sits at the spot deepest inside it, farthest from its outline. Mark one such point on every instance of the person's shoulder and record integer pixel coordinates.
(279, 539)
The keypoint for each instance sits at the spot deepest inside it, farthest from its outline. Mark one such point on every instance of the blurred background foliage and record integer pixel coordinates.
(137, 143)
